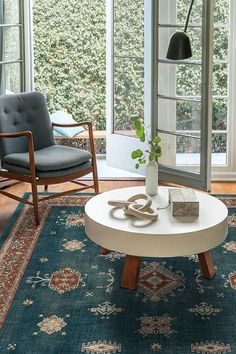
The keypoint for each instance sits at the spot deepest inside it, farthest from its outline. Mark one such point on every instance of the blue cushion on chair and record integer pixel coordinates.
(65, 118)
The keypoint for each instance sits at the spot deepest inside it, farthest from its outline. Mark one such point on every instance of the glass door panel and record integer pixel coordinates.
(12, 43)
(181, 151)
(129, 28)
(11, 78)
(173, 98)
(128, 65)
(128, 93)
(11, 11)
(187, 114)
(125, 80)
(184, 102)
(11, 47)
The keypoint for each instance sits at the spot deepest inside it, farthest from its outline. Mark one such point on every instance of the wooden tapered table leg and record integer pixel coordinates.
(104, 251)
(130, 275)
(207, 265)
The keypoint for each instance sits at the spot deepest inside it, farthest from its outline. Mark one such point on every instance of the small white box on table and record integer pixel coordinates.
(183, 202)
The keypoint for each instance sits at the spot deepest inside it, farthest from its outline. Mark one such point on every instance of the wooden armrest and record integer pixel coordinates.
(71, 125)
(16, 135)
(90, 131)
(30, 147)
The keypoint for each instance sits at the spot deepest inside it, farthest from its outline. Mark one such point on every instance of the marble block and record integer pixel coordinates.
(183, 202)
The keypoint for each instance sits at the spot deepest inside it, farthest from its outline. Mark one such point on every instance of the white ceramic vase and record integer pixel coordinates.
(151, 178)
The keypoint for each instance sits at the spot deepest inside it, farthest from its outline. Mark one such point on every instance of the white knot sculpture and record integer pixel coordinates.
(131, 207)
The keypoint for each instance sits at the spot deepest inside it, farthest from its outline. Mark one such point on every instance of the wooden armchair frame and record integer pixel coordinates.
(36, 181)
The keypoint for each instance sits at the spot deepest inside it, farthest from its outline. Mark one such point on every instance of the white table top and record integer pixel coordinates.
(168, 236)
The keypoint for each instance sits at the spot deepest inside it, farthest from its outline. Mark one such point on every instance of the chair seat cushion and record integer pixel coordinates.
(49, 174)
(52, 158)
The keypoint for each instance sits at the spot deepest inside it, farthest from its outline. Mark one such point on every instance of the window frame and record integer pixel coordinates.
(177, 174)
(26, 48)
(26, 52)
(228, 172)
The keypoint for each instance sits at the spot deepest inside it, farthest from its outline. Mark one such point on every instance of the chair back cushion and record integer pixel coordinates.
(20, 112)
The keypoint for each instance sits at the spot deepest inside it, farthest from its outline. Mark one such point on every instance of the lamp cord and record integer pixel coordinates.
(189, 13)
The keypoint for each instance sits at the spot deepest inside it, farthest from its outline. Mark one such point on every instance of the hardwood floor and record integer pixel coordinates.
(7, 205)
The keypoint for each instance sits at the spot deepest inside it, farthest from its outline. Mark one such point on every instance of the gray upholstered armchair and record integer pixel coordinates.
(28, 151)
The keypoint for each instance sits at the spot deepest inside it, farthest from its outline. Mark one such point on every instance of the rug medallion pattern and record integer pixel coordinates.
(58, 295)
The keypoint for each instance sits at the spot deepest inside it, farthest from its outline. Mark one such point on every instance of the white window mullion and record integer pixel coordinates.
(27, 45)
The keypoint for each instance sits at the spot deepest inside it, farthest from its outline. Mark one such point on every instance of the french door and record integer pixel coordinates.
(172, 97)
(15, 50)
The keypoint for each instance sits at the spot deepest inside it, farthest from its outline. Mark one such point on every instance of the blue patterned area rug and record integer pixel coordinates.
(59, 296)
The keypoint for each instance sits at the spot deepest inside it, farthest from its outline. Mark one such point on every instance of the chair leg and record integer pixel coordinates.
(35, 201)
(95, 179)
(95, 175)
(45, 188)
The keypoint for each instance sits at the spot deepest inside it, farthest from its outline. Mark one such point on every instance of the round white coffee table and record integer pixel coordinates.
(167, 237)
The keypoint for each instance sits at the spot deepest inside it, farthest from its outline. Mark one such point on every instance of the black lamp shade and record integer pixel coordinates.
(179, 46)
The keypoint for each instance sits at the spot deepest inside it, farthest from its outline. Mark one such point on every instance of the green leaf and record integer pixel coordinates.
(152, 156)
(141, 134)
(137, 165)
(156, 140)
(142, 161)
(139, 152)
(158, 150)
(134, 155)
(142, 137)
(137, 124)
(140, 131)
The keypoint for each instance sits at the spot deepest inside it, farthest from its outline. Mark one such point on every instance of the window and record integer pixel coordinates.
(220, 117)
(11, 47)
(180, 94)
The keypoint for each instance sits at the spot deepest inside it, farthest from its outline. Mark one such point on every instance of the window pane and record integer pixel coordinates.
(219, 148)
(129, 92)
(11, 38)
(220, 79)
(10, 9)
(189, 80)
(170, 14)
(180, 151)
(10, 78)
(219, 142)
(182, 11)
(220, 111)
(221, 43)
(183, 80)
(129, 27)
(187, 113)
(221, 11)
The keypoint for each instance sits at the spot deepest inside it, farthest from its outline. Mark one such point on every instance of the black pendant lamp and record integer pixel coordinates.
(179, 45)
